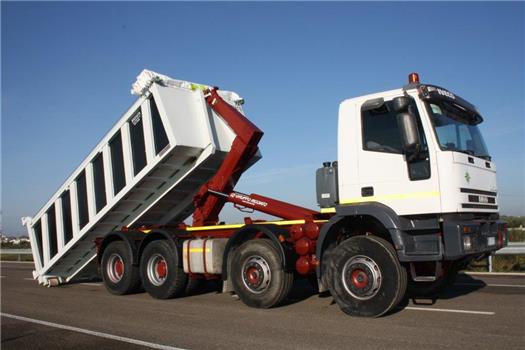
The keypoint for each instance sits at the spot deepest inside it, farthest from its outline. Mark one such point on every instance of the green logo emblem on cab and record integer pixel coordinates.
(467, 176)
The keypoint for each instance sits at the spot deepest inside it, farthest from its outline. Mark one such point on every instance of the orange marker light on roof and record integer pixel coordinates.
(413, 78)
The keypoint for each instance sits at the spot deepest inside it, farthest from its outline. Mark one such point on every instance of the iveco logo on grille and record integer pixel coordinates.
(483, 199)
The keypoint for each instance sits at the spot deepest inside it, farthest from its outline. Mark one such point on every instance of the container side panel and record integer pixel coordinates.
(74, 208)
(45, 238)
(159, 133)
(52, 231)
(146, 170)
(38, 235)
(183, 116)
(59, 223)
(66, 216)
(126, 152)
(117, 163)
(223, 135)
(90, 191)
(99, 182)
(138, 147)
(149, 143)
(34, 248)
(108, 172)
(82, 202)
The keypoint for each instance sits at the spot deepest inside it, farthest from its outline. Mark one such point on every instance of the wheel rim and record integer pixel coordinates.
(256, 274)
(361, 277)
(157, 269)
(115, 268)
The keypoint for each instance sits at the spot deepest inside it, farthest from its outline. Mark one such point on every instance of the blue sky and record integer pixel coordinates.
(67, 69)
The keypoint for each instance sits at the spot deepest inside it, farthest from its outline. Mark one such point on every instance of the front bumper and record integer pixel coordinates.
(463, 238)
(457, 239)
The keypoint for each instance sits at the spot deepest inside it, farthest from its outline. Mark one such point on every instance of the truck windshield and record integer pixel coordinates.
(456, 129)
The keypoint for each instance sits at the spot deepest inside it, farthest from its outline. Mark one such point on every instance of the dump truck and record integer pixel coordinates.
(411, 199)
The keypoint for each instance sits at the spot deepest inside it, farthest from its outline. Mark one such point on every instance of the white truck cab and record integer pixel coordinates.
(413, 167)
(451, 173)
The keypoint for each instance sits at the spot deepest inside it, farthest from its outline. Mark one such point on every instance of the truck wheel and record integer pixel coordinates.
(119, 274)
(161, 271)
(434, 288)
(366, 278)
(258, 277)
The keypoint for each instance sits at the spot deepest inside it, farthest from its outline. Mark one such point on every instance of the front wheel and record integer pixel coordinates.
(365, 276)
(258, 277)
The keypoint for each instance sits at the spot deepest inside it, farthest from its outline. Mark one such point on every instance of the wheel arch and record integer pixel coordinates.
(128, 237)
(352, 220)
(159, 234)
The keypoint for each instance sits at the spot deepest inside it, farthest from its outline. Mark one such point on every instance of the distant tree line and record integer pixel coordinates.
(514, 221)
(11, 245)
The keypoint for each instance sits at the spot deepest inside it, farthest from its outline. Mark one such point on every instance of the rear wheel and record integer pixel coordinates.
(161, 271)
(258, 276)
(119, 274)
(365, 276)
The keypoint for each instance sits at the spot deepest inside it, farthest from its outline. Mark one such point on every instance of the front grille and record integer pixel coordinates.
(470, 190)
(478, 206)
(484, 199)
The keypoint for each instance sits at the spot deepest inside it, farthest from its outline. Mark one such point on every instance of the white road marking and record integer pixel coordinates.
(96, 334)
(490, 285)
(520, 274)
(490, 313)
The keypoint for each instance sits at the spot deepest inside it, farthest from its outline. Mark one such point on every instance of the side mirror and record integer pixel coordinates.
(401, 103)
(409, 134)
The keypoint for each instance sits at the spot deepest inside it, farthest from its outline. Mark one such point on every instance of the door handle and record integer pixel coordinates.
(367, 191)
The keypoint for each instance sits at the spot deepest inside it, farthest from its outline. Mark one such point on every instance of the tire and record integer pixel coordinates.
(328, 253)
(119, 274)
(404, 281)
(365, 276)
(434, 288)
(161, 270)
(258, 277)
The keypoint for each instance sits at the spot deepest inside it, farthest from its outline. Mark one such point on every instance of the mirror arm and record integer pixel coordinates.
(413, 154)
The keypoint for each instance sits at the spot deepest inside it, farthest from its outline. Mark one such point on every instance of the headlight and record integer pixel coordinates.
(467, 242)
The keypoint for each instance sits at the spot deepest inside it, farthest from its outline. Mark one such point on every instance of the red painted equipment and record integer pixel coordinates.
(244, 147)
(212, 196)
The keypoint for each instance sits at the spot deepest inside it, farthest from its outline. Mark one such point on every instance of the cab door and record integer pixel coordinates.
(408, 185)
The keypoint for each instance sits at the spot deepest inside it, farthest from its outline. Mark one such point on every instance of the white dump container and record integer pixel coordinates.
(203, 255)
(144, 171)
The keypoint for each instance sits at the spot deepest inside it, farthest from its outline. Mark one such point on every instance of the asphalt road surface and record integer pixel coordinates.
(478, 312)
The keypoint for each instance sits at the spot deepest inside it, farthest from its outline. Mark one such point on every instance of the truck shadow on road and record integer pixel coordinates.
(464, 284)
(304, 289)
(194, 287)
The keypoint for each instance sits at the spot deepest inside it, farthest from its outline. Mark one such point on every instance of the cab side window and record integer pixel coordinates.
(381, 134)
(380, 130)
